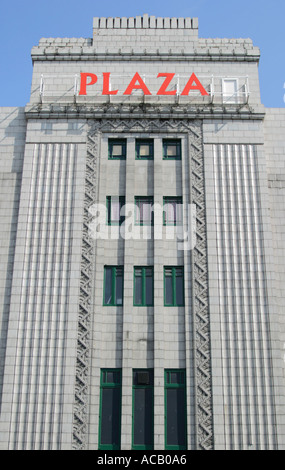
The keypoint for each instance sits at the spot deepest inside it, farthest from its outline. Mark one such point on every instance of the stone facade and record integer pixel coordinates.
(57, 336)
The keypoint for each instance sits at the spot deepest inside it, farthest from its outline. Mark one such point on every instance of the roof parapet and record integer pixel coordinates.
(145, 22)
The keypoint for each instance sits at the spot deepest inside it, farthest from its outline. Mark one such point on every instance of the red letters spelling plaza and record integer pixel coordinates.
(137, 83)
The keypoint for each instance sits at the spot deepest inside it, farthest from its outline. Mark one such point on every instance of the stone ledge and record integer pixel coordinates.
(86, 54)
(140, 111)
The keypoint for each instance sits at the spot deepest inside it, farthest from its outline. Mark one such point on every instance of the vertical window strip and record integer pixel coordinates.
(175, 409)
(173, 286)
(143, 210)
(110, 409)
(143, 286)
(172, 210)
(115, 206)
(143, 410)
(113, 285)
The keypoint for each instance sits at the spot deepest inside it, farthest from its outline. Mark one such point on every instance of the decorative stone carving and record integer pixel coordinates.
(80, 422)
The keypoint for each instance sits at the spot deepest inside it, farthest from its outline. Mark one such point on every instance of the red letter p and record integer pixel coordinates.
(84, 84)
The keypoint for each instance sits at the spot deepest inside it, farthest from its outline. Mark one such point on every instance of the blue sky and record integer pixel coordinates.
(24, 22)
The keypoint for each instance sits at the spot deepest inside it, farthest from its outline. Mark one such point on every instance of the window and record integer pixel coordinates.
(230, 90)
(143, 286)
(117, 149)
(110, 409)
(175, 409)
(172, 210)
(114, 209)
(143, 210)
(171, 149)
(144, 149)
(173, 286)
(113, 285)
(143, 427)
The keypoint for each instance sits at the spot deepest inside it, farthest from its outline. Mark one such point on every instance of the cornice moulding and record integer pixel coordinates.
(141, 111)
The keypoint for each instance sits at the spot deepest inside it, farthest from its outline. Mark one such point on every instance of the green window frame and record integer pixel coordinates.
(113, 294)
(143, 286)
(141, 209)
(175, 409)
(110, 409)
(173, 286)
(144, 149)
(120, 202)
(143, 409)
(172, 210)
(117, 149)
(171, 149)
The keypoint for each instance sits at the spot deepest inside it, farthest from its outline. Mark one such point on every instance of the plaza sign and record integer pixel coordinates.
(137, 83)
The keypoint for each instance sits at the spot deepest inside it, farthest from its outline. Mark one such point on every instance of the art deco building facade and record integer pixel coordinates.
(124, 327)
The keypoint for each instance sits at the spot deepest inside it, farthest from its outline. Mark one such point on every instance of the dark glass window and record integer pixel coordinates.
(172, 210)
(144, 149)
(143, 210)
(143, 286)
(143, 427)
(115, 206)
(117, 149)
(175, 410)
(113, 285)
(110, 409)
(171, 149)
(173, 286)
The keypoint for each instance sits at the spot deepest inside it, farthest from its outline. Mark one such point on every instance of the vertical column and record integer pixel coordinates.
(127, 363)
(188, 276)
(159, 306)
